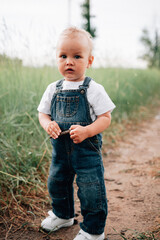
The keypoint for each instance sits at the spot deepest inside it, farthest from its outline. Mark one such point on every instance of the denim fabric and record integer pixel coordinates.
(84, 160)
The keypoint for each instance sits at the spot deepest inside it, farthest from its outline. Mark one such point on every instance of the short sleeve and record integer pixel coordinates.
(45, 103)
(99, 99)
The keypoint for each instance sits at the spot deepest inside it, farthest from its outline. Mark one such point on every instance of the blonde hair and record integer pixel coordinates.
(71, 31)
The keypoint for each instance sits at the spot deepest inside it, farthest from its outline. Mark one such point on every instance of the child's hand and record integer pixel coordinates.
(78, 133)
(53, 129)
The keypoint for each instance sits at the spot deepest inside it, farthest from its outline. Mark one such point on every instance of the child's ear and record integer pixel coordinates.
(90, 61)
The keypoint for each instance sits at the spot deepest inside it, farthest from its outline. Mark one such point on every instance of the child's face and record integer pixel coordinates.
(73, 57)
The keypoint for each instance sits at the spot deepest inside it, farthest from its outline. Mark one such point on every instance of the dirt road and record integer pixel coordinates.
(132, 176)
(133, 173)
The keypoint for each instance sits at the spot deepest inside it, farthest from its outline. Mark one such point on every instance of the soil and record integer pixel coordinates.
(132, 177)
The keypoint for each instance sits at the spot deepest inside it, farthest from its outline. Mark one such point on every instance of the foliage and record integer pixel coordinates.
(87, 18)
(25, 149)
(152, 49)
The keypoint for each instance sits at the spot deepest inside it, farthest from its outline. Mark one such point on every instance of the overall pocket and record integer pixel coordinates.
(67, 106)
(95, 143)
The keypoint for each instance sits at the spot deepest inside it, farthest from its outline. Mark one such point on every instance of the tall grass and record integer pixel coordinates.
(25, 150)
(130, 89)
(22, 141)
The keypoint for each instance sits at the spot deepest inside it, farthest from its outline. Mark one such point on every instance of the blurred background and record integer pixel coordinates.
(29, 29)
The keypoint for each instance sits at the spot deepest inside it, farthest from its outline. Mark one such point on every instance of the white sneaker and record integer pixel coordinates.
(53, 223)
(86, 236)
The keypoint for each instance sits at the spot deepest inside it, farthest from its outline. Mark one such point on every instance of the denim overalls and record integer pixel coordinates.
(70, 107)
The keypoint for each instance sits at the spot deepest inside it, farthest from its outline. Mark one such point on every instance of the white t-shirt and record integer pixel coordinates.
(98, 99)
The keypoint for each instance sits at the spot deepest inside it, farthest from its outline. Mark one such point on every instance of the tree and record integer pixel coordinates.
(87, 18)
(152, 49)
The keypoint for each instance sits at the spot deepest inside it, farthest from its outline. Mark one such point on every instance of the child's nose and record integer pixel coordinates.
(69, 61)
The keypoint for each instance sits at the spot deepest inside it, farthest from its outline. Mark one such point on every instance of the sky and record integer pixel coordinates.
(29, 29)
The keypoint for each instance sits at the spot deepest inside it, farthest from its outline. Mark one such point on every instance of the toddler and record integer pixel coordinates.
(75, 111)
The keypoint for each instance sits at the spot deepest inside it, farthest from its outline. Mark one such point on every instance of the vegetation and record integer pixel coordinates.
(138, 236)
(25, 150)
(152, 49)
(87, 18)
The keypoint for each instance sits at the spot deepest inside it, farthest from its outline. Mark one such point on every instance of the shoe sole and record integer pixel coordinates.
(68, 224)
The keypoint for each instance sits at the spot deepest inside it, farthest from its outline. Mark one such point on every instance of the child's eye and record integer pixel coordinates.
(63, 56)
(77, 56)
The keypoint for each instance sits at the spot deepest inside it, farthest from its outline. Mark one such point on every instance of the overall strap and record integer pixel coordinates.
(85, 84)
(59, 84)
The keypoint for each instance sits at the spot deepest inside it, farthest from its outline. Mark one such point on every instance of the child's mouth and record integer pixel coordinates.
(69, 70)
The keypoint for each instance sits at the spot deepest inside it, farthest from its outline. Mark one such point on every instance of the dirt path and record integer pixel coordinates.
(133, 173)
(132, 176)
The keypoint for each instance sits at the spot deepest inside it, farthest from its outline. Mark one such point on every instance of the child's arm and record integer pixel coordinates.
(79, 133)
(51, 127)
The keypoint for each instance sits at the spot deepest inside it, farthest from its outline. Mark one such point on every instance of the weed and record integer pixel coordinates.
(137, 235)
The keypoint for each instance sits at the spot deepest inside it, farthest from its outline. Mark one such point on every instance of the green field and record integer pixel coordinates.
(25, 149)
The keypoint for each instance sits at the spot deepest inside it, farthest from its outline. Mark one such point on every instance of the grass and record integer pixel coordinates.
(140, 236)
(25, 150)
(135, 235)
(130, 89)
